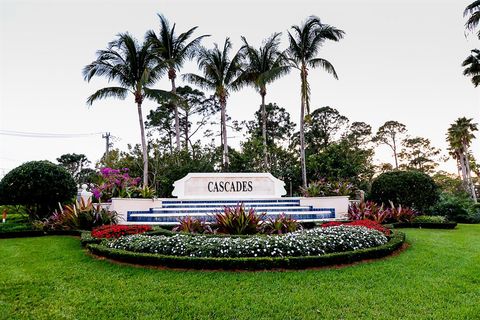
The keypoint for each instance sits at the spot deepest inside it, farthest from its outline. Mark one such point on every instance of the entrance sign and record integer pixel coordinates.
(228, 185)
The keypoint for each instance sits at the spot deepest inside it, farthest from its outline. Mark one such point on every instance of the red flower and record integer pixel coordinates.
(116, 231)
(363, 223)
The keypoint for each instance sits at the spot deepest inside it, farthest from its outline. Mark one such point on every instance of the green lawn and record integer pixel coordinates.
(438, 277)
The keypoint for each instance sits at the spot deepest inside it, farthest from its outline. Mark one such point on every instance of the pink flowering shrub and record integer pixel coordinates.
(116, 183)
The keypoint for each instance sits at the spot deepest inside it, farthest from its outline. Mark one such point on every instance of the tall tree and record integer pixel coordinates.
(472, 11)
(194, 114)
(263, 66)
(472, 67)
(135, 69)
(305, 43)
(391, 133)
(341, 160)
(172, 50)
(418, 153)
(472, 63)
(359, 133)
(162, 121)
(279, 127)
(220, 74)
(74, 163)
(321, 128)
(459, 137)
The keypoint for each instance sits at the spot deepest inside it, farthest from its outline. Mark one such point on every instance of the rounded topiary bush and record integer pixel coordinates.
(407, 188)
(38, 185)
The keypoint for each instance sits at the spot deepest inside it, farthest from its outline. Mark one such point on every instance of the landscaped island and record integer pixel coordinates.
(298, 249)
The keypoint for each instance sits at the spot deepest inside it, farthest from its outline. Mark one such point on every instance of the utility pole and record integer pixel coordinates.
(106, 136)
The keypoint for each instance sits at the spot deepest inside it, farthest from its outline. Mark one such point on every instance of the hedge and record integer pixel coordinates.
(21, 234)
(37, 233)
(426, 225)
(250, 263)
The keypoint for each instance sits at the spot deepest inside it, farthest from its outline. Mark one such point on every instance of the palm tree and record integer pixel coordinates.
(473, 13)
(262, 67)
(305, 42)
(173, 50)
(220, 74)
(135, 69)
(472, 67)
(460, 136)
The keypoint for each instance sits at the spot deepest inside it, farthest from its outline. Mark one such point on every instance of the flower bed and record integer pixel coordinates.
(313, 242)
(364, 223)
(117, 231)
(250, 263)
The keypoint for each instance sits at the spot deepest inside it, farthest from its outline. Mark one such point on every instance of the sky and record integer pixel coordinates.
(400, 60)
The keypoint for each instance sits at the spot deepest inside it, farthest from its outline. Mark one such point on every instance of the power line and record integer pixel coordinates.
(47, 135)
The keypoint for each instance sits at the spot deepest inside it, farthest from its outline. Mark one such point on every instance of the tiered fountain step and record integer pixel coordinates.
(172, 210)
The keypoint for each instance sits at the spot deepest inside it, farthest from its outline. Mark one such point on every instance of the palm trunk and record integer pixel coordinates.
(144, 145)
(463, 169)
(186, 132)
(302, 143)
(264, 133)
(223, 105)
(471, 186)
(304, 92)
(177, 120)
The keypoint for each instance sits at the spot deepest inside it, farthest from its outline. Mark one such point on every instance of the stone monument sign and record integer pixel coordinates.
(228, 185)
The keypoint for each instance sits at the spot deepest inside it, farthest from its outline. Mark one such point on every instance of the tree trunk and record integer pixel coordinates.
(144, 145)
(172, 76)
(302, 143)
(471, 186)
(395, 152)
(223, 105)
(187, 139)
(463, 169)
(303, 76)
(264, 133)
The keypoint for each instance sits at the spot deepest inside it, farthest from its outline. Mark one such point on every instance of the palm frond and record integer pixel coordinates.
(198, 81)
(108, 92)
(161, 96)
(325, 64)
(273, 74)
(473, 20)
(471, 8)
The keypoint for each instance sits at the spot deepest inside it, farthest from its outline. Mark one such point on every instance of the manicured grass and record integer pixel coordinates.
(438, 277)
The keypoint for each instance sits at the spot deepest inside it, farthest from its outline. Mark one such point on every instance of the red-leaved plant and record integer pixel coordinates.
(402, 214)
(116, 231)
(238, 220)
(367, 210)
(280, 224)
(192, 225)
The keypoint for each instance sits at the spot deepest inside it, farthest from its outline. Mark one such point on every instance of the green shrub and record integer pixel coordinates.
(407, 188)
(39, 185)
(459, 208)
(324, 188)
(430, 219)
(15, 227)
